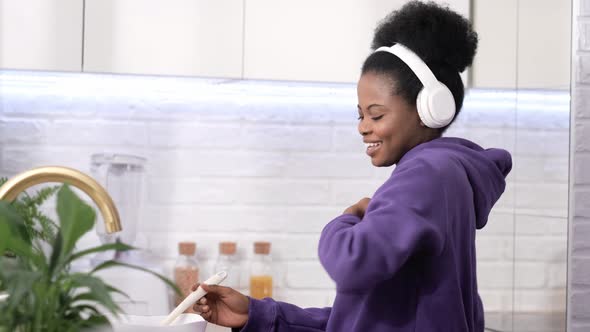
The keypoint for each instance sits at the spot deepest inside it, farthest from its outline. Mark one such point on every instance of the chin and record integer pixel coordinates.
(383, 163)
(380, 163)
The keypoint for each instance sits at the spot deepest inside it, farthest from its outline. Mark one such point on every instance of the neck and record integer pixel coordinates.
(426, 135)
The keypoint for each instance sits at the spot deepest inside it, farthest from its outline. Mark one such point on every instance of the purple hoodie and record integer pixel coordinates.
(409, 264)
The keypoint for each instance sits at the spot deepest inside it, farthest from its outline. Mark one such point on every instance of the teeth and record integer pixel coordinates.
(372, 145)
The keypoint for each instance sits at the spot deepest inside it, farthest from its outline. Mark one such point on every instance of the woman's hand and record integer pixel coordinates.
(222, 306)
(359, 208)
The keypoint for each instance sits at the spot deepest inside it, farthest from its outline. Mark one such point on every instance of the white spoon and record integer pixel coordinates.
(193, 297)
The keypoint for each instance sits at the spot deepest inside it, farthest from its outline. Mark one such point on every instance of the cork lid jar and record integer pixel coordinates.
(187, 248)
(262, 248)
(227, 248)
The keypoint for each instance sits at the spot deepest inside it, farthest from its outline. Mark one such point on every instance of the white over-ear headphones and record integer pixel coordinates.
(435, 102)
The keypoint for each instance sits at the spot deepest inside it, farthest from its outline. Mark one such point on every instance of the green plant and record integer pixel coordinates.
(37, 224)
(44, 294)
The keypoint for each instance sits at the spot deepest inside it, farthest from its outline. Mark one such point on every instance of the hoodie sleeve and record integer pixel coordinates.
(406, 216)
(268, 315)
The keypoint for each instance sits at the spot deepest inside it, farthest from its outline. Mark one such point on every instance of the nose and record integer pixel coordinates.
(363, 128)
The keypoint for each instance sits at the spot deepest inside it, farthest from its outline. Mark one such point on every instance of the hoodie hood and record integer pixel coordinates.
(486, 170)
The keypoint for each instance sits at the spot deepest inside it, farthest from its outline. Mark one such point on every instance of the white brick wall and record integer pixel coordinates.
(249, 161)
(579, 247)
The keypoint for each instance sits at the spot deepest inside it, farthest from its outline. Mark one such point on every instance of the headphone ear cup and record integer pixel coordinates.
(441, 105)
(436, 106)
(423, 108)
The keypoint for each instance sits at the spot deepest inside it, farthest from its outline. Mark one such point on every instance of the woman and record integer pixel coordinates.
(405, 259)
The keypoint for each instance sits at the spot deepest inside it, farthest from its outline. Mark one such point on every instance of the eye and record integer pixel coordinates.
(377, 117)
(360, 117)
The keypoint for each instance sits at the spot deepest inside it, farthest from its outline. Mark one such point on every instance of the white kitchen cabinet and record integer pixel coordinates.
(494, 65)
(164, 37)
(544, 44)
(522, 44)
(41, 35)
(309, 40)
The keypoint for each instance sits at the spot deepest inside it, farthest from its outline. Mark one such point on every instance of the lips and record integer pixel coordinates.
(372, 148)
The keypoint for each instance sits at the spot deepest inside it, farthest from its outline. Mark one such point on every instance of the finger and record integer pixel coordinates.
(219, 290)
(206, 315)
(194, 288)
(200, 308)
(203, 300)
(214, 289)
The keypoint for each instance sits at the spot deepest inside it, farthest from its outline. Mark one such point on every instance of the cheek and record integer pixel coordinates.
(395, 136)
(390, 131)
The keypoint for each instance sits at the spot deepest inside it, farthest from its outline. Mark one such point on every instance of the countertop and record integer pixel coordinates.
(500, 322)
(525, 322)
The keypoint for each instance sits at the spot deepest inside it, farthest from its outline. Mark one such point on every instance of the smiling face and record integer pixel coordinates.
(390, 126)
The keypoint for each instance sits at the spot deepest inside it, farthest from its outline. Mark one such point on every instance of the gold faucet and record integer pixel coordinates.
(16, 185)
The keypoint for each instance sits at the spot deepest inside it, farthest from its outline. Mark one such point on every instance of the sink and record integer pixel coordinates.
(184, 323)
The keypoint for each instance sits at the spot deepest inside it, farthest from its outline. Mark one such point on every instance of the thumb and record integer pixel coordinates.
(219, 290)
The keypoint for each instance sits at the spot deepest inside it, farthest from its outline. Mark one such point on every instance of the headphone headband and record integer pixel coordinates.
(413, 61)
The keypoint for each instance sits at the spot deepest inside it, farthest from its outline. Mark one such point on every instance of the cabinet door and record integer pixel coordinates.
(544, 44)
(167, 37)
(41, 35)
(309, 40)
(522, 44)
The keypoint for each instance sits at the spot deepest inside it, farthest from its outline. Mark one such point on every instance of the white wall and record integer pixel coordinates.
(246, 161)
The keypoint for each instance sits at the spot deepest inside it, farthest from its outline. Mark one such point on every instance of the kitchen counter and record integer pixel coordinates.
(525, 322)
(501, 322)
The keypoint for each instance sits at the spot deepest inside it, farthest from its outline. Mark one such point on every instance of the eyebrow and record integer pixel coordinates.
(369, 108)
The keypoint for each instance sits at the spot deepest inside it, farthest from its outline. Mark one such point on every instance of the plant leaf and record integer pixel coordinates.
(76, 309)
(96, 320)
(14, 220)
(119, 246)
(98, 291)
(76, 218)
(43, 195)
(20, 283)
(14, 242)
(88, 296)
(55, 255)
(9, 242)
(118, 291)
(48, 227)
(111, 263)
(28, 208)
(84, 297)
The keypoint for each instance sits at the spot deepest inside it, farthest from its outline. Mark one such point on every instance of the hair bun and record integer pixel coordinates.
(436, 33)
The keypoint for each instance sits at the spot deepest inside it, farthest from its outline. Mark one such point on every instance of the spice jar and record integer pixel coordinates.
(186, 269)
(227, 261)
(261, 283)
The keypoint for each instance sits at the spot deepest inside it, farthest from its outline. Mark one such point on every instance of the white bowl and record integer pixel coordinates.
(184, 323)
